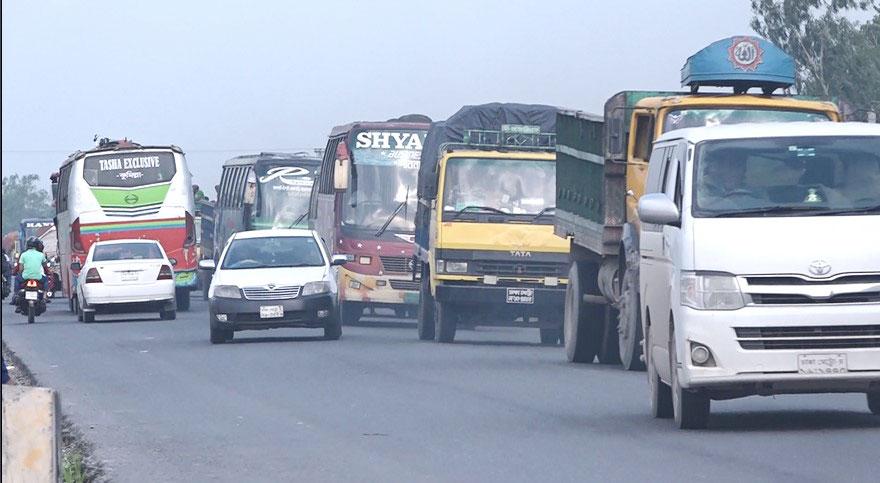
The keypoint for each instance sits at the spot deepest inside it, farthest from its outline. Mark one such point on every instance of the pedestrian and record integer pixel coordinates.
(198, 194)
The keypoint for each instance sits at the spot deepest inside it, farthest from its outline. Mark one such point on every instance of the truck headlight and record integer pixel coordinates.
(710, 291)
(315, 288)
(452, 267)
(227, 292)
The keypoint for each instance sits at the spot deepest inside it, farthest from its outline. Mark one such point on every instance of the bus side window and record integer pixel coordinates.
(222, 198)
(63, 188)
(327, 166)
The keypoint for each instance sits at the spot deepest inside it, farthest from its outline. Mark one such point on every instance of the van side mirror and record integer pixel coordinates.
(76, 266)
(658, 209)
(207, 265)
(337, 260)
(341, 172)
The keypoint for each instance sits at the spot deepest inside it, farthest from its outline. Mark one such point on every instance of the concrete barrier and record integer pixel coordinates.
(31, 434)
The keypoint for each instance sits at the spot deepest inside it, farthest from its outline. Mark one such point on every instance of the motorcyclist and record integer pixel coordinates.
(32, 265)
(7, 273)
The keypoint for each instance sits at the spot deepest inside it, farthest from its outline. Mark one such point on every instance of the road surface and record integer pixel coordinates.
(161, 403)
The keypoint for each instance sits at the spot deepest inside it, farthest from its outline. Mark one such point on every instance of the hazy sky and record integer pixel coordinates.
(224, 78)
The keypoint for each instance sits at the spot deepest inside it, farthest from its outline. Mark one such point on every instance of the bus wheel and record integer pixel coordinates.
(182, 296)
(351, 312)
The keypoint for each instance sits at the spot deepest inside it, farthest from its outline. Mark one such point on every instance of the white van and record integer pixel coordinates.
(760, 264)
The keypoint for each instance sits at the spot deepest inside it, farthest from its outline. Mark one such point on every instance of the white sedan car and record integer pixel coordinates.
(125, 276)
(267, 279)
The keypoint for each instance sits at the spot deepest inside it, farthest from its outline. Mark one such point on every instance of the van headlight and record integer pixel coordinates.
(710, 291)
(227, 292)
(315, 288)
(447, 266)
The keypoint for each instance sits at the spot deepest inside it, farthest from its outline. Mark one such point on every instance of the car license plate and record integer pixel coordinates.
(822, 364)
(520, 295)
(129, 276)
(271, 311)
(31, 296)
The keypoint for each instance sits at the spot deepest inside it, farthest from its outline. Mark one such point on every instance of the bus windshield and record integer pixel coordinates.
(129, 170)
(512, 186)
(283, 194)
(383, 187)
(701, 117)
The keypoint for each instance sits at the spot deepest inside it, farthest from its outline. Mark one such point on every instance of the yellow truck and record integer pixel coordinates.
(602, 164)
(486, 252)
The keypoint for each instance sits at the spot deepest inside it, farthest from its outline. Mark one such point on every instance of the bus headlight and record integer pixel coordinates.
(315, 288)
(227, 292)
(710, 291)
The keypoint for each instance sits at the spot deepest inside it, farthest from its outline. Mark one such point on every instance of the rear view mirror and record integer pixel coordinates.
(207, 264)
(658, 209)
(337, 260)
(76, 266)
(341, 174)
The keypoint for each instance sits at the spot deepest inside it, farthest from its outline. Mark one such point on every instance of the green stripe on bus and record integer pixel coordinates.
(143, 225)
(130, 198)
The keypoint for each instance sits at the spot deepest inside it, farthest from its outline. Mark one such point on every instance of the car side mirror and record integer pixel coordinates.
(207, 265)
(658, 209)
(76, 266)
(337, 260)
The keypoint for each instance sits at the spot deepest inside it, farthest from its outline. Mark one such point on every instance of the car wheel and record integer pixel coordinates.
(88, 317)
(219, 336)
(77, 310)
(445, 322)
(629, 326)
(551, 336)
(333, 329)
(582, 323)
(70, 305)
(874, 402)
(661, 393)
(182, 296)
(168, 314)
(690, 408)
(426, 307)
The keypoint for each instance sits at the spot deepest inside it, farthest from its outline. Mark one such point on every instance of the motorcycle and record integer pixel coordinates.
(31, 299)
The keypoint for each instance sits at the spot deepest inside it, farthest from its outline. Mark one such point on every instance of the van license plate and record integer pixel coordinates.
(520, 295)
(31, 296)
(822, 364)
(271, 311)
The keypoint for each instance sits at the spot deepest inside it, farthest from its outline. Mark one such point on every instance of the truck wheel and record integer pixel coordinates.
(445, 318)
(629, 328)
(350, 312)
(182, 295)
(551, 336)
(690, 408)
(582, 324)
(609, 352)
(874, 402)
(426, 308)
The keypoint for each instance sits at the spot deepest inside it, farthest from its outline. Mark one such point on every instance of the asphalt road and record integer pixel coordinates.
(161, 403)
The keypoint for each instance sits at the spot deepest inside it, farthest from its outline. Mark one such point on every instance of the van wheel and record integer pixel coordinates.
(426, 307)
(661, 393)
(551, 336)
(690, 408)
(582, 323)
(874, 402)
(445, 317)
(629, 326)
(182, 296)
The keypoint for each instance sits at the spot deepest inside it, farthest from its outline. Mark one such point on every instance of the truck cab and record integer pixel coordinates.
(487, 252)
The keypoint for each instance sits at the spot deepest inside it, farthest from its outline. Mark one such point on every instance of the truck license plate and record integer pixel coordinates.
(271, 311)
(520, 295)
(822, 364)
(31, 296)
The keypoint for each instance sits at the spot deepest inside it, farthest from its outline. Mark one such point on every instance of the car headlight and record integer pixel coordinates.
(315, 288)
(227, 292)
(710, 291)
(446, 266)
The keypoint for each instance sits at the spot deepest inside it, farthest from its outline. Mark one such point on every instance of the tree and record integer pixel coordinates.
(23, 198)
(837, 57)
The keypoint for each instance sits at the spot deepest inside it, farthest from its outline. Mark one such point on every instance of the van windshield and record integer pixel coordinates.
(792, 176)
(701, 117)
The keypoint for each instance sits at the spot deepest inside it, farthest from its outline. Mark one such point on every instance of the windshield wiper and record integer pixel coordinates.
(299, 219)
(542, 213)
(855, 210)
(476, 207)
(394, 214)
(768, 210)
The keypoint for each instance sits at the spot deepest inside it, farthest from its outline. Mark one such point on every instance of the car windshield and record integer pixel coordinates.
(273, 252)
(126, 251)
(791, 176)
(512, 186)
(701, 117)
(284, 193)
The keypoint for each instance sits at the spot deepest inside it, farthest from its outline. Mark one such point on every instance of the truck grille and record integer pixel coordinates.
(523, 269)
(405, 285)
(280, 292)
(397, 264)
(809, 337)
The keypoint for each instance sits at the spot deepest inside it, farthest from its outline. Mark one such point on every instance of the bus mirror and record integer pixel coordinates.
(341, 174)
(250, 189)
(76, 266)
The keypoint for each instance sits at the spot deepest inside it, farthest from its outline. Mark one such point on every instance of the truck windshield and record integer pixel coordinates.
(700, 117)
(129, 170)
(513, 186)
(284, 193)
(792, 176)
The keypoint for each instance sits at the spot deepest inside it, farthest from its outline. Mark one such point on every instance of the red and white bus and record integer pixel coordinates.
(364, 205)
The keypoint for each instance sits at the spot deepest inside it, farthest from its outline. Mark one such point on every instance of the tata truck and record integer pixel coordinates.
(485, 249)
(602, 165)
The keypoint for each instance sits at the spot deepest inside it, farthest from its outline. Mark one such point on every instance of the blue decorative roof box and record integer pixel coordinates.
(742, 63)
